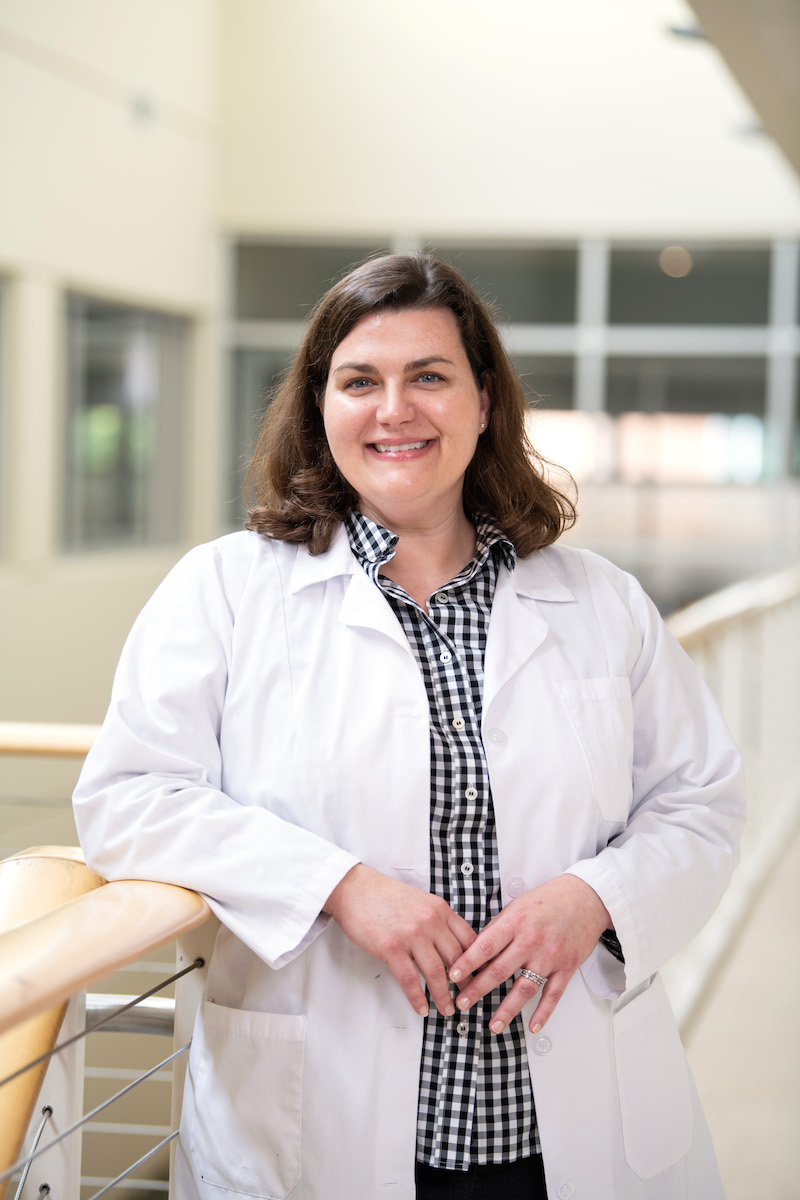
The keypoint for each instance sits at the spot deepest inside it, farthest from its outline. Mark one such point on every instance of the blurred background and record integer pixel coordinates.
(182, 179)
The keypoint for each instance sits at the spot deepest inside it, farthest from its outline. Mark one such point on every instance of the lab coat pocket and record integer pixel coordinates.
(601, 714)
(246, 1127)
(653, 1081)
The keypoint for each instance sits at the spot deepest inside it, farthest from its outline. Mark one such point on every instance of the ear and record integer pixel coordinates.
(485, 400)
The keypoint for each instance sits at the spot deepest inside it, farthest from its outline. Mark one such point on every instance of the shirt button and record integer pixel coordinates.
(441, 597)
(458, 722)
(516, 886)
(467, 868)
(462, 1028)
(497, 737)
(445, 656)
(542, 1045)
(566, 1191)
(471, 793)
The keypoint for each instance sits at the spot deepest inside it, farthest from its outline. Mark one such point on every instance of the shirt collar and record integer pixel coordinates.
(373, 545)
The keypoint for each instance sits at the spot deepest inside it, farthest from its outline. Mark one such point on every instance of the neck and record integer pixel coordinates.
(428, 556)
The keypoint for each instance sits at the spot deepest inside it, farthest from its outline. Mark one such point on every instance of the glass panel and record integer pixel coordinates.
(688, 420)
(529, 286)
(123, 445)
(685, 385)
(685, 285)
(284, 282)
(256, 373)
(549, 381)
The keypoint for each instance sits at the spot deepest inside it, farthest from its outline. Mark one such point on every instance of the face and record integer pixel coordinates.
(403, 414)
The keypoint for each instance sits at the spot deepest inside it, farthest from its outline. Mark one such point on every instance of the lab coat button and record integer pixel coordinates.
(471, 793)
(566, 1191)
(543, 1045)
(516, 886)
(458, 722)
(467, 868)
(497, 737)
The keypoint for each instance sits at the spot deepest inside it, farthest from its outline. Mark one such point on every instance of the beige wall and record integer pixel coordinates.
(518, 118)
(108, 151)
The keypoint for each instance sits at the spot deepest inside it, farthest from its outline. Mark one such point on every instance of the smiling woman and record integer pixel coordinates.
(296, 487)
(453, 791)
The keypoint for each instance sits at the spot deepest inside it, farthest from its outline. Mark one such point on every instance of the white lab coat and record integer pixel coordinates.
(269, 728)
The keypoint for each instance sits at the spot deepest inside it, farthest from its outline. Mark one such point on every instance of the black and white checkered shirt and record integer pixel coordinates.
(475, 1098)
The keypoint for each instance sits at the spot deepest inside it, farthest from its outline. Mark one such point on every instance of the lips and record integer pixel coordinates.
(396, 447)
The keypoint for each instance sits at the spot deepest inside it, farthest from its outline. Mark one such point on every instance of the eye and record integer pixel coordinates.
(430, 377)
(357, 385)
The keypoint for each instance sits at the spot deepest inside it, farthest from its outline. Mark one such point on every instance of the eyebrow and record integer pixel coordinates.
(416, 365)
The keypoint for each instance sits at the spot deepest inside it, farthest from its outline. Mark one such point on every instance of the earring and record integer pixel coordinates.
(483, 426)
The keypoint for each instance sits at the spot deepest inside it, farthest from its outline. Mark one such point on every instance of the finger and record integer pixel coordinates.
(493, 974)
(512, 1004)
(406, 974)
(434, 973)
(464, 934)
(484, 949)
(551, 994)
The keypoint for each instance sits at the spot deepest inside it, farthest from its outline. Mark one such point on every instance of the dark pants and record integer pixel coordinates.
(520, 1180)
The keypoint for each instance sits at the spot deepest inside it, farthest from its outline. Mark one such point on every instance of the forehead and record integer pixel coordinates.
(407, 334)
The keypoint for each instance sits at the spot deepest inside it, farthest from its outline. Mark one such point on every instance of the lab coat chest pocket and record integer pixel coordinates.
(246, 1127)
(601, 714)
(653, 1081)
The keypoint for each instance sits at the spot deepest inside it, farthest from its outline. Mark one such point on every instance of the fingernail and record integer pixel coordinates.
(423, 1010)
(462, 1002)
(496, 1026)
(535, 1028)
(455, 975)
(448, 1012)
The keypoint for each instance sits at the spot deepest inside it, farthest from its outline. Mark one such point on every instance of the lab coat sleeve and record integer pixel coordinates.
(662, 877)
(149, 803)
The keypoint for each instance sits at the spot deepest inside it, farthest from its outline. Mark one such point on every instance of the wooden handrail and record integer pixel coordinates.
(731, 605)
(47, 739)
(50, 958)
(64, 928)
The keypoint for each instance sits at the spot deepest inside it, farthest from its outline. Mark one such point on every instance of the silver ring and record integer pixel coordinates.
(534, 978)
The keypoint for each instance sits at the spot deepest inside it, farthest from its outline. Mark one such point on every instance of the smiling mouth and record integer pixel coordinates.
(383, 448)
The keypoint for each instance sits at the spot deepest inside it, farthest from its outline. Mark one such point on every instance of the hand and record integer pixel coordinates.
(550, 930)
(414, 932)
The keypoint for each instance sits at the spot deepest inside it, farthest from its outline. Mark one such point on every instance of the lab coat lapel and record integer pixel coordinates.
(517, 628)
(363, 603)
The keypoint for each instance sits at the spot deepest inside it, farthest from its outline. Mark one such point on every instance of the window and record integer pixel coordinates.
(123, 445)
(284, 282)
(256, 373)
(686, 285)
(549, 381)
(688, 420)
(528, 285)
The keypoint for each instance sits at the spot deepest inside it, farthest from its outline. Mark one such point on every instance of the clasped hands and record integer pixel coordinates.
(550, 930)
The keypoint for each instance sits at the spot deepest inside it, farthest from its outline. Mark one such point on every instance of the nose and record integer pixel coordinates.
(395, 405)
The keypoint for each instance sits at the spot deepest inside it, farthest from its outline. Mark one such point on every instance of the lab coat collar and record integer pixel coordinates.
(517, 629)
(363, 604)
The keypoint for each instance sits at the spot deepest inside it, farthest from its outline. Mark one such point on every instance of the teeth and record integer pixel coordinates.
(383, 449)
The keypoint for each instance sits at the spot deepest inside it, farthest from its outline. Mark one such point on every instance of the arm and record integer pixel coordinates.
(150, 802)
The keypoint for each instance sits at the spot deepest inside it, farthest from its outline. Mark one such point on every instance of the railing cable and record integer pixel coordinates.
(47, 1113)
(193, 966)
(171, 1137)
(29, 1158)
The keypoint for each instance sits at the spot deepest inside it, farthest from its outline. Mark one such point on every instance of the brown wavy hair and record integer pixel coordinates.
(294, 490)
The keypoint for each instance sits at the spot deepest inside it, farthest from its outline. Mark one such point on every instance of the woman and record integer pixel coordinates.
(453, 791)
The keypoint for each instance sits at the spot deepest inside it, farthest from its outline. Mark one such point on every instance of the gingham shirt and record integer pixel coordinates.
(475, 1098)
